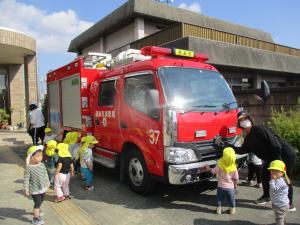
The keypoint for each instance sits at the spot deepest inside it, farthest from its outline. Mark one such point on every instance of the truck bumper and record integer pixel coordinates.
(194, 172)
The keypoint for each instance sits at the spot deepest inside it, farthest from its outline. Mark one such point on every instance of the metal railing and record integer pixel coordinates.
(182, 30)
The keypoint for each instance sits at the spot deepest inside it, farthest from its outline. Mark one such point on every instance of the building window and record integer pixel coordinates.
(240, 83)
(3, 89)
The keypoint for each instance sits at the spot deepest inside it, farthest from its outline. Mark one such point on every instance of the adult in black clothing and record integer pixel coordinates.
(268, 146)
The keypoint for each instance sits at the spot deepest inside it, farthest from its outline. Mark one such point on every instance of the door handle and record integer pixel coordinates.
(123, 125)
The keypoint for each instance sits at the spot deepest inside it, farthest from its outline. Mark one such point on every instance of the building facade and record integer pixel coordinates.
(245, 56)
(18, 74)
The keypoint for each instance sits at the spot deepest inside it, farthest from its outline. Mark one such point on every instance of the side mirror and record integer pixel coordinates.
(152, 103)
(264, 92)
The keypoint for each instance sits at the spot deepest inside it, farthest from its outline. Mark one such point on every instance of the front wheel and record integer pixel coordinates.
(137, 174)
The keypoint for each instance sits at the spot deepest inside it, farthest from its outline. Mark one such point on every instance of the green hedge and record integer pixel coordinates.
(286, 123)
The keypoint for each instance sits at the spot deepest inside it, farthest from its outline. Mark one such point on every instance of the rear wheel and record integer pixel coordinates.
(137, 174)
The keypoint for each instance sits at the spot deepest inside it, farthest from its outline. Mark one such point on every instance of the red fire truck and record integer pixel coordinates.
(155, 114)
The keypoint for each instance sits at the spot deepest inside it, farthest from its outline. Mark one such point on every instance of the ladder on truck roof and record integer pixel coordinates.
(105, 61)
(92, 59)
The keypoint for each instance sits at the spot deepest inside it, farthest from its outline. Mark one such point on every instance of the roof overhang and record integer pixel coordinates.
(225, 54)
(13, 54)
(161, 13)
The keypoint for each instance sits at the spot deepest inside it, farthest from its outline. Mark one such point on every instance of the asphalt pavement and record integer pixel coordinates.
(113, 203)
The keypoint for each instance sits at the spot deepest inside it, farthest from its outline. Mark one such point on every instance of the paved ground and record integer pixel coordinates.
(113, 203)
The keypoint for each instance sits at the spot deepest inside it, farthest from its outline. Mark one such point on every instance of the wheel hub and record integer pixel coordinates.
(136, 172)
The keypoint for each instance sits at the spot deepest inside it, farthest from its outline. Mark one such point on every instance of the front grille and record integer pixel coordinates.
(206, 151)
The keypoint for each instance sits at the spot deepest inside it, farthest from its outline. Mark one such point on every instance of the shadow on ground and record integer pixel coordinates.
(18, 214)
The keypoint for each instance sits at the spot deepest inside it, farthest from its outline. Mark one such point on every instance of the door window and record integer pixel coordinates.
(135, 92)
(107, 92)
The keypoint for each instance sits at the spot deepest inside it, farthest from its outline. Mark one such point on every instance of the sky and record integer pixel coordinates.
(54, 23)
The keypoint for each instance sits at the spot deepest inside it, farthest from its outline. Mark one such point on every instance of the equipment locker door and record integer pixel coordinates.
(106, 122)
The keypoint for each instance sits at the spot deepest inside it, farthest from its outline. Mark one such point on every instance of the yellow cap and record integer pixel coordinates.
(71, 138)
(277, 165)
(33, 149)
(280, 166)
(63, 150)
(51, 146)
(227, 162)
(48, 130)
(89, 139)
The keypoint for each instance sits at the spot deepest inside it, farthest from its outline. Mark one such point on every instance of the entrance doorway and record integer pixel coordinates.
(4, 104)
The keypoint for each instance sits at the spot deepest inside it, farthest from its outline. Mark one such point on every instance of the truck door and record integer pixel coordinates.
(138, 124)
(106, 116)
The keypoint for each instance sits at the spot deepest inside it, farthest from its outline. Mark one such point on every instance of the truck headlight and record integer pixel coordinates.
(180, 155)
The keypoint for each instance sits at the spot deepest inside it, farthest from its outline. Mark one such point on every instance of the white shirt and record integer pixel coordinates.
(48, 138)
(86, 157)
(37, 118)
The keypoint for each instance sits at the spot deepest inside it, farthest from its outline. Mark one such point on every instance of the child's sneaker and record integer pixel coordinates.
(219, 210)
(259, 185)
(59, 199)
(67, 197)
(89, 188)
(232, 211)
(37, 221)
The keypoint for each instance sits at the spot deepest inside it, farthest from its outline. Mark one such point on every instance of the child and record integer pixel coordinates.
(36, 181)
(50, 161)
(72, 140)
(64, 169)
(49, 135)
(86, 160)
(254, 167)
(279, 190)
(227, 176)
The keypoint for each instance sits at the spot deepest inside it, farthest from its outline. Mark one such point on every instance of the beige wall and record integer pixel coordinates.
(17, 53)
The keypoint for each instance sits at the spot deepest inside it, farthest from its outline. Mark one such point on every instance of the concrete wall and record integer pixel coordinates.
(150, 28)
(120, 38)
(96, 47)
(280, 97)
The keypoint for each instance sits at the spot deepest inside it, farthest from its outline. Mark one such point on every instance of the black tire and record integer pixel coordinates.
(137, 174)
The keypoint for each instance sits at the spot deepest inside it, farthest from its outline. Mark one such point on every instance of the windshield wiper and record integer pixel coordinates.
(195, 108)
(225, 105)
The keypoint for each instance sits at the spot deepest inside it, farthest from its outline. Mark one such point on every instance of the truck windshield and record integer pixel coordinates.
(194, 89)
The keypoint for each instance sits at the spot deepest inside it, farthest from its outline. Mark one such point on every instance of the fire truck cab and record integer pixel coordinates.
(155, 118)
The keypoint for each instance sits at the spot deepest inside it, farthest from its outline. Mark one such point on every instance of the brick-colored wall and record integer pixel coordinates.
(17, 94)
(280, 97)
(31, 74)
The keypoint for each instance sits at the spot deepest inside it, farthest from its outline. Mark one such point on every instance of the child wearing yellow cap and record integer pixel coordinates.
(50, 159)
(86, 160)
(279, 190)
(64, 170)
(227, 176)
(72, 139)
(36, 181)
(49, 135)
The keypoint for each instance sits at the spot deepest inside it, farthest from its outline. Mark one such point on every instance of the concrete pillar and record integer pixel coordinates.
(17, 94)
(139, 28)
(257, 80)
(101, 43)
(31, 75)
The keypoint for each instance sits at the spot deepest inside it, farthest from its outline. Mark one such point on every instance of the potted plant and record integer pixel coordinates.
(3, 118)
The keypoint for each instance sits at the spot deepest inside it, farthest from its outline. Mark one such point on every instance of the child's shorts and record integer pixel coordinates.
(88, 176)
(38, 200)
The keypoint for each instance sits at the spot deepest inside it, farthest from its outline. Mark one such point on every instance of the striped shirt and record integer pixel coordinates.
(279, 192)
(36, 179)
